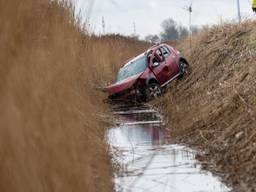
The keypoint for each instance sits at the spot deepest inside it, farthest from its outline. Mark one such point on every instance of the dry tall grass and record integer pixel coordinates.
(51, 133)
(215, 106)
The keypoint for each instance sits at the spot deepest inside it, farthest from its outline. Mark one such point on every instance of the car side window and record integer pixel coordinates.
(166, 52)
(158, 57)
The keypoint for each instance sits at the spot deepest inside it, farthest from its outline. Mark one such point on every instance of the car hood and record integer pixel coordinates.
(122, 85)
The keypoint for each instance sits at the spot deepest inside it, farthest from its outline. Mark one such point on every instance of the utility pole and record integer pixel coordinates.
(239, 11)
(190, 26)
(190, 19)
(134, 29)
(88, 11)
(103, 26)
(190, 10)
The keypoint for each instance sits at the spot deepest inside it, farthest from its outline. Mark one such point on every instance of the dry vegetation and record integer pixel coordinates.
(51, 130)
(214, 107)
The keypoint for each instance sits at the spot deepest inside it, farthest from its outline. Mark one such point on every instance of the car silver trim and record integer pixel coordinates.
(159, 122)
(130, 112)
(169, 81)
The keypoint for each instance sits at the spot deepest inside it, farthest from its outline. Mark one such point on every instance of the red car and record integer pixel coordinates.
(145, 76)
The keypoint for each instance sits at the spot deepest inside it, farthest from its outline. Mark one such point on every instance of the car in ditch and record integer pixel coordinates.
(147, 75)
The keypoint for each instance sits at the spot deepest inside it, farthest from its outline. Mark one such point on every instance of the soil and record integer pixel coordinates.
(214, 107)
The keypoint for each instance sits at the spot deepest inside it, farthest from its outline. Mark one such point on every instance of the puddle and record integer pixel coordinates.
(148, 162)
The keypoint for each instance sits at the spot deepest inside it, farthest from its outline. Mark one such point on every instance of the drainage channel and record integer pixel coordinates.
(146, 160)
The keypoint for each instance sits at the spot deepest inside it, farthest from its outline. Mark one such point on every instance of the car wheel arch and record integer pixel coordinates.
(183, 69)
(182, 59)
(151, 80)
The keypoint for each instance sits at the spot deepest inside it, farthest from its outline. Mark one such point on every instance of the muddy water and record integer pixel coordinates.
(140, 146)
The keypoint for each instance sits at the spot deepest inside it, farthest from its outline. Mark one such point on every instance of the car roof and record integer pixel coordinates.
(158, 45)
(130, 61)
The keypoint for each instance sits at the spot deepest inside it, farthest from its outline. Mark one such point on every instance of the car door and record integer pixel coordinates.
(170, 59)
(160, 67)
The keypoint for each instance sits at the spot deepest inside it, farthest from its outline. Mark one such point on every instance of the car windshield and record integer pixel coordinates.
(133, 68)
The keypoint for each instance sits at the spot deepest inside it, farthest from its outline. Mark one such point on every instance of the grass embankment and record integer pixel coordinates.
(214, 107)
(51, 131)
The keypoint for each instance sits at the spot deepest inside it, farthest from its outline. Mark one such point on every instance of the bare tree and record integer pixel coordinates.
(170, 31)
(173, 31)
(183, 32)
(195, 29)
(152, 38)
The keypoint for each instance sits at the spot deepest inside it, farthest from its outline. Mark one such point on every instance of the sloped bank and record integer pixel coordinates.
(51, 131)
(214, 108)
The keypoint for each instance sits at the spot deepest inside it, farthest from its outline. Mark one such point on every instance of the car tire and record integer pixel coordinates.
(152, 91)
(184, 69)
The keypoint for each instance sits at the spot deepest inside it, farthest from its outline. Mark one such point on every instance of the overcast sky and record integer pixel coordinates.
(119, 15)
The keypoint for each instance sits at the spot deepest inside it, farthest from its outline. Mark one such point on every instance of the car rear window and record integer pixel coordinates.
(133, 68)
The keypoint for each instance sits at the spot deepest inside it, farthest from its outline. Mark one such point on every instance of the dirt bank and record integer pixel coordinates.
(51, 130)
(214, 108)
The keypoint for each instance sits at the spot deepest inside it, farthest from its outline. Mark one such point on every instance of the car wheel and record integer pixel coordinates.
(184, 68)
(153, 91)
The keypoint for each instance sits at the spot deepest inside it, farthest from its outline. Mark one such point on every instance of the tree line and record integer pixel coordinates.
(171, 31)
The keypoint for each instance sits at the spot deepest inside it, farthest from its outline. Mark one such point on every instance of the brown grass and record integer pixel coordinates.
(51, 130)
(214, 108)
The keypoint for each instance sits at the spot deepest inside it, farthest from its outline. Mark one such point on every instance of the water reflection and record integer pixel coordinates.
(149, 163)
(125, 135)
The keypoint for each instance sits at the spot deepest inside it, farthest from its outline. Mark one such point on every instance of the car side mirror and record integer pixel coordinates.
(155, 64)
